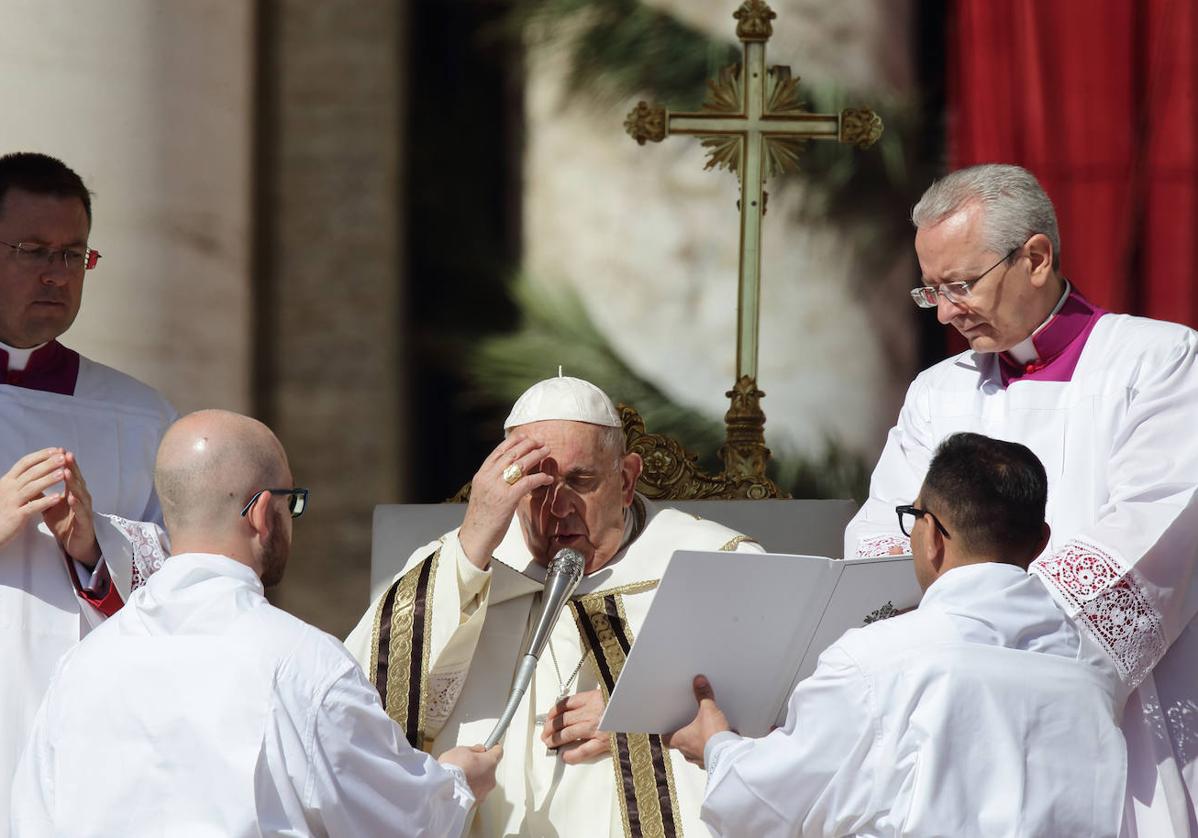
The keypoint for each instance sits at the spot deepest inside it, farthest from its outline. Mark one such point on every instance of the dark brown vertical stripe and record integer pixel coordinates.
(661, 779)
(416, 681)
(634, 813)
(625, 756)
(596, 647)
(663, 786)
(384, 644)
(613, 613)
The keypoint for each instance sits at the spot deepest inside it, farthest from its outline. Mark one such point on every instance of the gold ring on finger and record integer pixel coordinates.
(512, 474)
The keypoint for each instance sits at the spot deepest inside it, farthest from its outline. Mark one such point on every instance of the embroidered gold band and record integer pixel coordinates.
(625, 590)
(644, 777)
(399, 647)
(734, 543)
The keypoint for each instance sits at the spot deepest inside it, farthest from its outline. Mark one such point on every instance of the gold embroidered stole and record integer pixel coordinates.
(399, 648)
(644, 777)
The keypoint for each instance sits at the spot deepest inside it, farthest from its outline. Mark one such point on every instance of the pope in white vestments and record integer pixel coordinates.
(442, 642)
(62, 415)
(201, 709)
(1109, 403)
(978, 714)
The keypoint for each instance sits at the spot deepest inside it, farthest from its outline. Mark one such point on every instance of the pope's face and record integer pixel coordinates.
(1001, 309)
(38, 302)
(584, 507)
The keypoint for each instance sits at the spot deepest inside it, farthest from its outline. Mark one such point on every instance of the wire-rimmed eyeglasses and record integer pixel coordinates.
(926, 296)
(297, 500)
(913, 512)
(73, 259)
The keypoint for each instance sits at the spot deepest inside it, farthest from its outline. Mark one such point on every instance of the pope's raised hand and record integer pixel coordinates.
(72, 522)
(22, 490)
(573, 726)
(493, 499)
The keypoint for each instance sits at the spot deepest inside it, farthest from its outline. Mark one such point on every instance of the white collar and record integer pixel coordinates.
(18, 359)
(1025, 352)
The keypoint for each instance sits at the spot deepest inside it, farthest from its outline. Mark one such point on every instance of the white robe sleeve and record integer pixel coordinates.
(460, 596)
(813, 776)
(896, 480)
(1130, 577)
(367, 780)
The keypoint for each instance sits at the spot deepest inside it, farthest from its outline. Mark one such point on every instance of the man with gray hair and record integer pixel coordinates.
(200, 709)
(442, 641)
(1108, 403)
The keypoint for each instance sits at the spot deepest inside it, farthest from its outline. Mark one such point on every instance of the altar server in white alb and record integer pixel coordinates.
(200, 709)
(76, 449)
(1109, 403)
(981, 713)
(448, 631)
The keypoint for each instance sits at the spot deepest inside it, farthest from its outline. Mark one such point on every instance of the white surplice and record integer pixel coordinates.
(201, 709)
(113, 424)
(1118, 443)
(970, 716)
(478, 623)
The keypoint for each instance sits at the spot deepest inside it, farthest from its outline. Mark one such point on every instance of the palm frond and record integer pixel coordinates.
(557, 329)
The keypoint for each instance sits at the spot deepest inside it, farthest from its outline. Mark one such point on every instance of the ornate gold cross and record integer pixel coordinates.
(754, 124)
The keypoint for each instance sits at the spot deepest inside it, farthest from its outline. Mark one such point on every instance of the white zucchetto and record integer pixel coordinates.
(563, 398)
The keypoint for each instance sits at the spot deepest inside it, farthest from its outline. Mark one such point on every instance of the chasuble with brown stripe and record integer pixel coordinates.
(441, 643)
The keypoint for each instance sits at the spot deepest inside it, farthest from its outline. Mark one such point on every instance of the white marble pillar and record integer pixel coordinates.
(150, 102)
(332, 272)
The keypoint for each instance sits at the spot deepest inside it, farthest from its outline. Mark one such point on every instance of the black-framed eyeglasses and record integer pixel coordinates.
(908, 514)
(36, 255)
(926, 296)
(297, 500)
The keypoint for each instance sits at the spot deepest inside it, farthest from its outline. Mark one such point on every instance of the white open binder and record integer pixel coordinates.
(755, 625)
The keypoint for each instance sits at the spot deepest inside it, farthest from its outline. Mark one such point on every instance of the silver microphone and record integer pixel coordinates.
(562, 577)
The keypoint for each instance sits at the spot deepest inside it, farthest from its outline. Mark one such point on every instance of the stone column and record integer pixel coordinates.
(150, 103)
(330, 272)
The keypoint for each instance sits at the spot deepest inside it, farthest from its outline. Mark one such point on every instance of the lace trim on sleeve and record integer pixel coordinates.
(1110, 602)
(147, 550)
(872, 547)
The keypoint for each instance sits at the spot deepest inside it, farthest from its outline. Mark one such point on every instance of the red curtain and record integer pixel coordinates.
(1099, 99)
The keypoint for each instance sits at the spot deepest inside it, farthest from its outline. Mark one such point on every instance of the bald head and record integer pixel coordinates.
(209, 465)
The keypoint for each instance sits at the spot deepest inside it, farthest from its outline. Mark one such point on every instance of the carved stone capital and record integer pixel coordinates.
(646, 123)
(753, 21)
(860, 127)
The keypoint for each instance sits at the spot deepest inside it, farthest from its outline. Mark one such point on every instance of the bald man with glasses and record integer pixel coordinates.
(221, 714)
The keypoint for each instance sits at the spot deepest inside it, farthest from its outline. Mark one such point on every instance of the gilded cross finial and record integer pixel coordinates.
(753, 21)
(860, 127)
(646, 123)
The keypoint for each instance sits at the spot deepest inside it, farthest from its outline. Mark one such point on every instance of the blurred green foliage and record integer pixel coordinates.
(556, 329)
